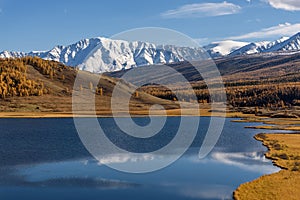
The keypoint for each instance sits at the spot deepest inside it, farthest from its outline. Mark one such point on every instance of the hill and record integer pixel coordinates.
(264, 80)
(35, 85)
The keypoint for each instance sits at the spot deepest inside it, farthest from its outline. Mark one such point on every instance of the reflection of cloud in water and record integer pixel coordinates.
(251, 161)
(82, 182)
(124, 158)
(207, 192)
(200, 191)
(14, 177)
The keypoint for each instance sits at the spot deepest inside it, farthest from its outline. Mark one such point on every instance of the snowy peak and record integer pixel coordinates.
(285, 44)
(12, 54)
(105, 55)
(251, 48)
(279, 41)
(235, 48)
(114, 55)
(289, 44)
(223, 48)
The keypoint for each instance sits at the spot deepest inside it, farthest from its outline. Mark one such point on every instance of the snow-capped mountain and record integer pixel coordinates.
(235, 48)
(264, 47)
(251, 48)
(288, 44)
(106, 55)
(223, 48)
(12, 54)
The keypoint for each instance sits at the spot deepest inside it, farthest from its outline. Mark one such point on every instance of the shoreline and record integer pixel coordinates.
(284, 151)
(142, 113)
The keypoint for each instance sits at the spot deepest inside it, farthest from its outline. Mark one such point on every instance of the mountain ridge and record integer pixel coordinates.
(104, 54)
(101, 54)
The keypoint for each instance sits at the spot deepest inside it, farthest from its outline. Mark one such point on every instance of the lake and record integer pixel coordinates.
(45, 159)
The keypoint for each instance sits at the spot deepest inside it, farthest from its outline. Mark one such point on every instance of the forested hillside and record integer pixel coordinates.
(269, 82)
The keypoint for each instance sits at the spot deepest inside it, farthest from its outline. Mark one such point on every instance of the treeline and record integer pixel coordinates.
(51, 69)
(262, 95)
(280, 95)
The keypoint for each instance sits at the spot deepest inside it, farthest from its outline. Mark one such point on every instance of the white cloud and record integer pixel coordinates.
(291, 5)
(202, 10)
(286, 29)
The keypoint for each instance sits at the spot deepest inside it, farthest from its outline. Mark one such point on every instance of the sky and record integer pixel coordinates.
(28, 25)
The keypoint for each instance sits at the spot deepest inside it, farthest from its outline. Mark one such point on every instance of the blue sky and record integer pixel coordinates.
(39, 25)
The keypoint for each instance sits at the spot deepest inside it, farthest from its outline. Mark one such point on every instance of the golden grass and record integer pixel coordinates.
(204, 112)
(284, 150)
(287, 124)
(273, 121)
(284, 121)
(245, 120)
(281, 185)
(286, 128)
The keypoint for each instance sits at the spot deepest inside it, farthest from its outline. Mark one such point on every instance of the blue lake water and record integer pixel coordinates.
(45, 159)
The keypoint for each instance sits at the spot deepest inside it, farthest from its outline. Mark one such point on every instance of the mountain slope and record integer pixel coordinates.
(100, 54)
(251, 48)
(290, 44)
(252, 67)
(264, 47)
(103, 54)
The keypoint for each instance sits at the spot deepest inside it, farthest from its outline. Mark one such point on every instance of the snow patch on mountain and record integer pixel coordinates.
(223, 48)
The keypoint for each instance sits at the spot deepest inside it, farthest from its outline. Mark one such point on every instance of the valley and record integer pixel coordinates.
(268, 83)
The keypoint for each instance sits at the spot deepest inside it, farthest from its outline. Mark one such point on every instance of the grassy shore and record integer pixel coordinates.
(284, 150)
(204, 112)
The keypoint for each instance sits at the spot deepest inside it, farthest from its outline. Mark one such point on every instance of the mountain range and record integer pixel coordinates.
(106, 55)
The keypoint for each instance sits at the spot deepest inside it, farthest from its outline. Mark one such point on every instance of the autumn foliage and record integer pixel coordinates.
(13, 80)
(263, 94)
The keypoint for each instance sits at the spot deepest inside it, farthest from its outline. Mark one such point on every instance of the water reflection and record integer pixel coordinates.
(20, 177)
(127, 158)
(91, 173)
(207, 191)
(251, 161)
(56, 163)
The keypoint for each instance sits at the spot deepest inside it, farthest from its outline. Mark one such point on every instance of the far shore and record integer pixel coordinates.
(141, 113)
